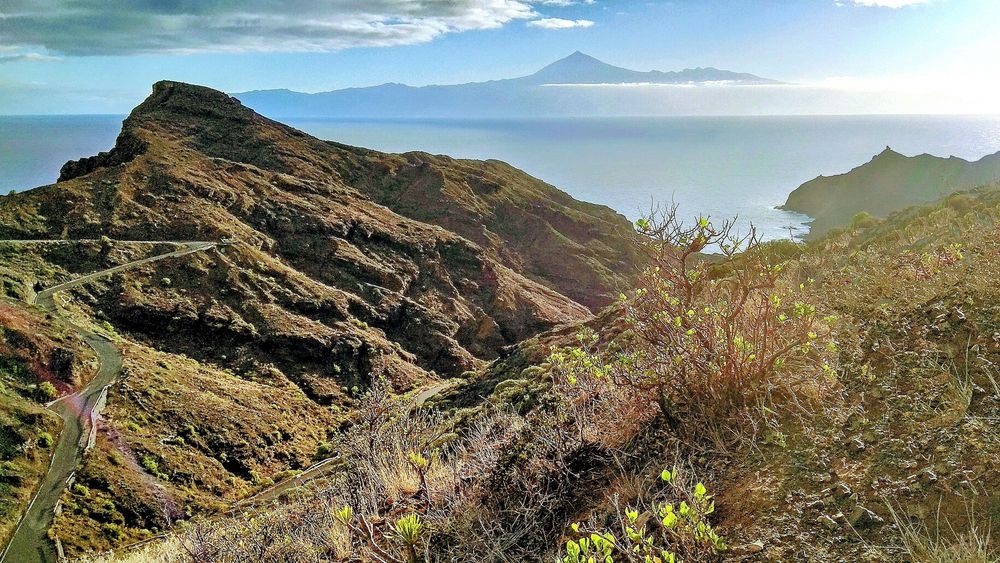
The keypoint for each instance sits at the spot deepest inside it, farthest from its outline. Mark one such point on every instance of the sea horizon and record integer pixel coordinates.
(723, 166)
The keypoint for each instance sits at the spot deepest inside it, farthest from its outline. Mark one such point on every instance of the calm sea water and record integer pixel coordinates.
(720, 166)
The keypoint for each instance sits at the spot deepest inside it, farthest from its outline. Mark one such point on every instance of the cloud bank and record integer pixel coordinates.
(558, 23)
(112, 27)
(888, 3)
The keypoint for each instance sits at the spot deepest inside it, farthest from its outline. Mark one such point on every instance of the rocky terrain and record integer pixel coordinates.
(889, 182)
(348, 265)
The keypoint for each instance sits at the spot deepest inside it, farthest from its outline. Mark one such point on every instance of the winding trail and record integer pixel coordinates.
(30, 542)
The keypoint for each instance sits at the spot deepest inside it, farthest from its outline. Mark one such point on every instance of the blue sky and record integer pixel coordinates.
(101, 56)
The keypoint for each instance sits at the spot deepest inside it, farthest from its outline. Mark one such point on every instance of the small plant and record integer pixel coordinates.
(47, 392)
(150, 464)
(344, 514)
(324, 450)
(944, 544)
(45, 440)
(421, 463)
(409, 533)
(670, 530)
(113, 531)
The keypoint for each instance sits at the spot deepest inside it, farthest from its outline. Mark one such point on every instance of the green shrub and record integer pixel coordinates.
(45, 440)
(47, 392)
(704, 339)
(324, 450)
(113, 531)
(410, 533)
(149, 464)
(674, 528)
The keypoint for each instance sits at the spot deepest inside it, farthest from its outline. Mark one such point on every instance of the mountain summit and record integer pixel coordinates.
(517, 97)
(581, 68)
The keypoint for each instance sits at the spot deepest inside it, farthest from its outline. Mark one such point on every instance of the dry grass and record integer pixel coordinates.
(944, 544)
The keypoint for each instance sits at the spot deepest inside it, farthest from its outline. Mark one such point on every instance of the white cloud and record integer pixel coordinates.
(558, 23)
(888, 3)
(18, 57)
(99, 27)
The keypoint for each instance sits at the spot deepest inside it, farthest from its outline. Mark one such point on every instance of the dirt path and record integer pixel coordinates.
(30, 542)
(430, 392)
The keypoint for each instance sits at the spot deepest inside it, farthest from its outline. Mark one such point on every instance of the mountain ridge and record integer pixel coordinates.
(506, 96)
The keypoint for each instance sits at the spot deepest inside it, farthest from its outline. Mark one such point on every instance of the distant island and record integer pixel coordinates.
(566, 87)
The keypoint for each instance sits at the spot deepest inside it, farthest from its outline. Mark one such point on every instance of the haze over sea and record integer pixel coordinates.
(720, 166)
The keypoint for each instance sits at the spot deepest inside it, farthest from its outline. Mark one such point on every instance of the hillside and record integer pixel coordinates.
(878, 443)
(889, 182)
(349, 265)
(522, 96)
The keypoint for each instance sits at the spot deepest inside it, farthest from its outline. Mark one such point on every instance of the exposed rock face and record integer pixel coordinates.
(127, 147)
(889, 182)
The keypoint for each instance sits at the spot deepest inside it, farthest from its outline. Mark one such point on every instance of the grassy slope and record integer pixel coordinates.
(32, 350)
(913, 427)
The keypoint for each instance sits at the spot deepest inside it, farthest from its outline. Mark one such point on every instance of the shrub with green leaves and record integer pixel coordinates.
(674, 527)
(47, 392)
(705, 337)
(45, 440)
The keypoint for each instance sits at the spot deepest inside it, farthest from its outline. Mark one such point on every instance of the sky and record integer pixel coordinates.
(101, 56)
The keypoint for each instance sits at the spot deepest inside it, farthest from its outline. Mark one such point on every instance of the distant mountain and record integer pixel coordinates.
(546, 92)
(888, 182)
(580, 68)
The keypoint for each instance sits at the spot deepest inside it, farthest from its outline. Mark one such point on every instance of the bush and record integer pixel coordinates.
(45, 440)
(47, 392)
(705, 338)
(114, 532)
(149, 464)
(673, 527)
(324, 450)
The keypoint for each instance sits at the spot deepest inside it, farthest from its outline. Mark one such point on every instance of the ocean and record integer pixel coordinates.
(723, 167)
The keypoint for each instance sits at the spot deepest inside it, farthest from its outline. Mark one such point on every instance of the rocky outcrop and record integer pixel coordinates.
(127, 147)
